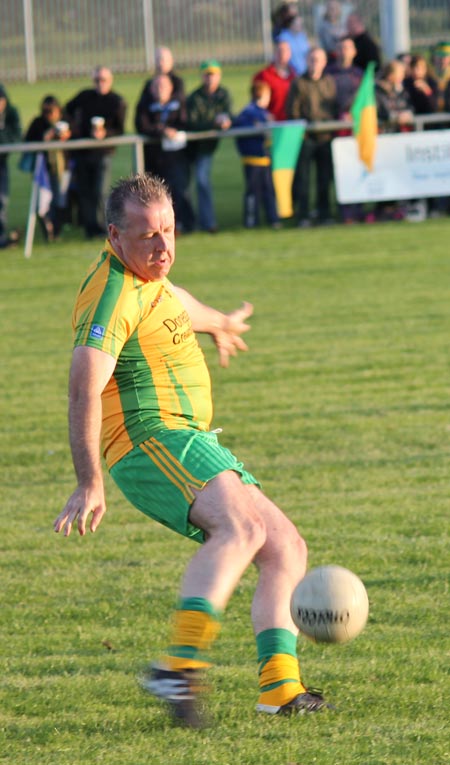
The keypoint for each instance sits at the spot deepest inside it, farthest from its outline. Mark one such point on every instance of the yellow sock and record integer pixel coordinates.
(279, 670)
(195, 627)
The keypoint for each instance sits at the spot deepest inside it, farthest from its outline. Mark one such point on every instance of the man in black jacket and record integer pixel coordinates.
(366, 48)
(98, 113)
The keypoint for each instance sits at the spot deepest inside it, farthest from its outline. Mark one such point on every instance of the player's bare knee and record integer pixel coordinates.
(288, 552)
(250, 532)
(301, 548)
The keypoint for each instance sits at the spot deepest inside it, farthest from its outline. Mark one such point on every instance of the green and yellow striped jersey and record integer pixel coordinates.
(161, 379)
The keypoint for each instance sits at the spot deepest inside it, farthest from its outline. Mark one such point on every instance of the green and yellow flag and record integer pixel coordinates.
(286, 143)
(364, 113)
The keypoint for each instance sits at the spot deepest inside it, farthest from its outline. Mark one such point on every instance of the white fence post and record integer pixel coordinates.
(149, 33)
(266, 30)
(30, 55)
(394, 27)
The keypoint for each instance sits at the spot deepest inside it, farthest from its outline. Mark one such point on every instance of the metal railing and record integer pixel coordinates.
(418, 122)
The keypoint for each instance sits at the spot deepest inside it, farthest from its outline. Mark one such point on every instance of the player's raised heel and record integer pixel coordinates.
(180, 689)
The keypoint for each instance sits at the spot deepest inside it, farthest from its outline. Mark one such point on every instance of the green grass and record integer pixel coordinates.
(341, 408)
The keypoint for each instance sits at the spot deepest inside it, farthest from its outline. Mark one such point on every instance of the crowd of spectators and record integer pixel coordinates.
(313, 79)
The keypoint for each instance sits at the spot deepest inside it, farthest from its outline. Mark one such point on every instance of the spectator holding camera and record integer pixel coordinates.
(164, 64)
(49, 126)
(163, 118)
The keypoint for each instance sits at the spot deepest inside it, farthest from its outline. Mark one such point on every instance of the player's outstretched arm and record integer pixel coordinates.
(225, 328)
(90, 371)
(227, 334)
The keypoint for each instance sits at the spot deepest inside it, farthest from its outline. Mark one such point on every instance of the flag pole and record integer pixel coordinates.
(31, 222)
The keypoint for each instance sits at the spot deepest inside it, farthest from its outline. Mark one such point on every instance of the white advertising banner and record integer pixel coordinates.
(407, 166)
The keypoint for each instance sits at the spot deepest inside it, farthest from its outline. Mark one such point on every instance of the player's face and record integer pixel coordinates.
(146, 244)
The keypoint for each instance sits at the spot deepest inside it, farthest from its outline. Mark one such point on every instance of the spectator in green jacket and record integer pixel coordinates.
(10, 132)
(208, 108)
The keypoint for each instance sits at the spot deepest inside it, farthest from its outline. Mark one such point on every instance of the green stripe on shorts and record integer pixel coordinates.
(158, 476)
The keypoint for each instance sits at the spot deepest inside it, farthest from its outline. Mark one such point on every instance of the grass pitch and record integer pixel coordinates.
(340, 408)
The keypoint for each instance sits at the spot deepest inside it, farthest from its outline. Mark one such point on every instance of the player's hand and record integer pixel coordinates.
(83, 502)
(228, 338)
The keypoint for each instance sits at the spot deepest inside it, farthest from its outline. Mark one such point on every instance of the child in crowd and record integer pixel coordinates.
(256, 160)
(50, 126)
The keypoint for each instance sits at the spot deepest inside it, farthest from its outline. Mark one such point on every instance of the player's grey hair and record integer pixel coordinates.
(141, 188)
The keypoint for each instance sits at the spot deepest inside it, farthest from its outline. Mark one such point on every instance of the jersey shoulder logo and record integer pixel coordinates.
(97, 331)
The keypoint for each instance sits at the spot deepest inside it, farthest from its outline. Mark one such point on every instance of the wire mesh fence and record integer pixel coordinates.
(53, 38)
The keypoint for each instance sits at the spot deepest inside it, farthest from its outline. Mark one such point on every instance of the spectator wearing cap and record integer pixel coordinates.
(441, 66)
(208, 108)
(10, 132)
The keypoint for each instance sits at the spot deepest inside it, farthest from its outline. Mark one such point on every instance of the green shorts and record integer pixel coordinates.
(158, 476)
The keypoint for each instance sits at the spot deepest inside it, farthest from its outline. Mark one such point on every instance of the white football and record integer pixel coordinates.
(330, 605)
